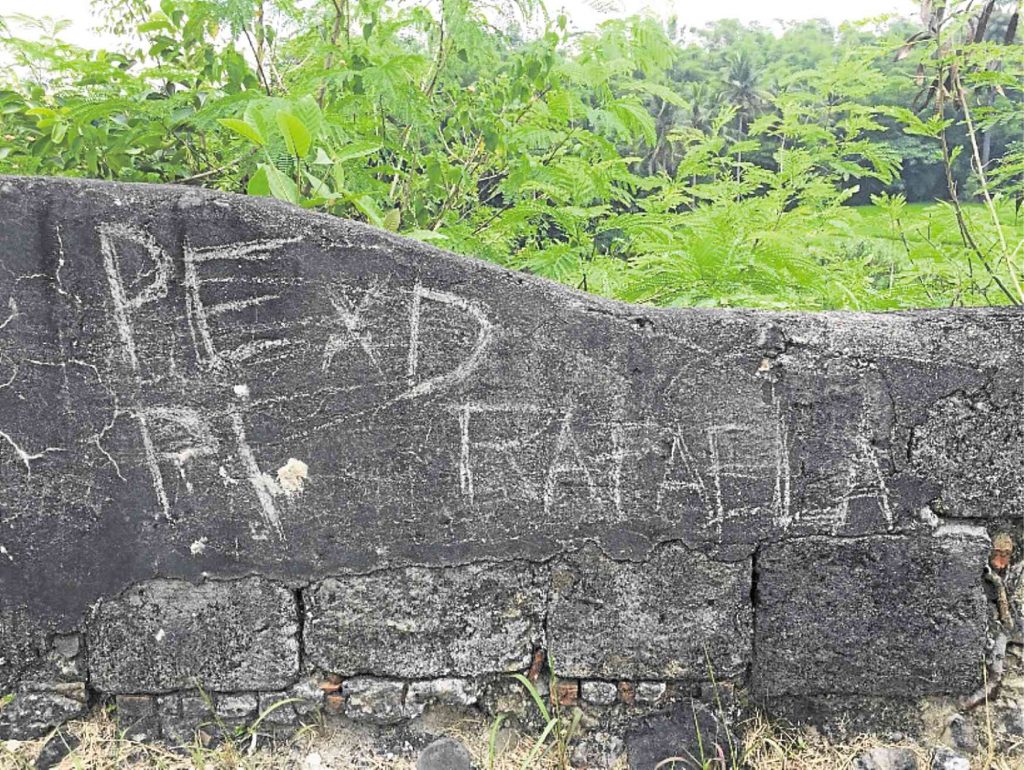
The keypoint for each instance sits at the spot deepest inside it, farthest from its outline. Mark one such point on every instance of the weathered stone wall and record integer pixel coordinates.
(242, 445)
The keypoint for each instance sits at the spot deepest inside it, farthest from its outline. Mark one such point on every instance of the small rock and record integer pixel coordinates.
(276, 708)
(308, 695)
(379, 701)
(886, 758)
(649, 693)
(963, 734)
(947, 759)
(137, 716)
(33, 714)
(599, 693)
(627, 692)
(237, 707)
(444, 754)
(54, 750)
(688, 730)
(447, 692)
(598, 749)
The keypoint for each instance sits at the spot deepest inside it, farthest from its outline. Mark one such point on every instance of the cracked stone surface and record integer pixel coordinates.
(418, 622)
(166, 635)
(670, 617)
(226, 424)
(900, 615)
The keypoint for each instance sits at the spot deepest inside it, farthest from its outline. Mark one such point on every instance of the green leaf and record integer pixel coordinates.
(244, 129)
(296, 138)
(356, 150)
(393, 220)
(369, 209)
(271, 181)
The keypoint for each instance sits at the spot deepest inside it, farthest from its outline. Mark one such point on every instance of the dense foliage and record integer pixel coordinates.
(642, 161)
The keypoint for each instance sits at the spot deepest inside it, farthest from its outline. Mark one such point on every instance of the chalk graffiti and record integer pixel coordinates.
(466, 366)
(563, 460)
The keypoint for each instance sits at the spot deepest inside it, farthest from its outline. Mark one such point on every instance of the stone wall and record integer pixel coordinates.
(247, 450)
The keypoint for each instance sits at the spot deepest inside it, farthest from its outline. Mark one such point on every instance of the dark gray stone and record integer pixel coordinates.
(277, 708)
(58, 746)
(32, 714)
(168, 635)
(888, 616)
(138, 717)
(419, 622)
(670, 617)
(445, 410)
(689, 732)
(649, 693)
(308, 697)
(444, 754)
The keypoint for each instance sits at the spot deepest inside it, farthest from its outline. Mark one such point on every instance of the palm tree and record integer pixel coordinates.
(742, 87)
(743, 91)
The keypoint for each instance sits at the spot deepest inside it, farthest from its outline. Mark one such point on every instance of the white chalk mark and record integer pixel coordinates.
(619, 454)
(239, 304)
(566, 444)
(463, 370)
(263, 485)
(877, 489)
(351, 317)
(199, 314)
(250, 349)
(61, 259)
(782, 504)
(718, 518)
(466, 444)
(465, 466)
(201, 441)
(123, 307)
(13, 307)
(680, 452)
(250, 251)
(12, 378)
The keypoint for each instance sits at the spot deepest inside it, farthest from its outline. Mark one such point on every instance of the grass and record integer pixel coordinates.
(766, 747)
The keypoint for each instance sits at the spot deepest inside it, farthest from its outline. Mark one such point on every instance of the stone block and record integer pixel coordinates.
(416, 623)
(377, 701)
(32, 714)
(166, 635)
(448, 691)
(237, 707)
(444, 754)
(658, 619)
(888, 616)
(138, 717)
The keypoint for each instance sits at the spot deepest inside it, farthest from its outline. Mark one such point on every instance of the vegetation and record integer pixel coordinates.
(642, 161)
(766, 746)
